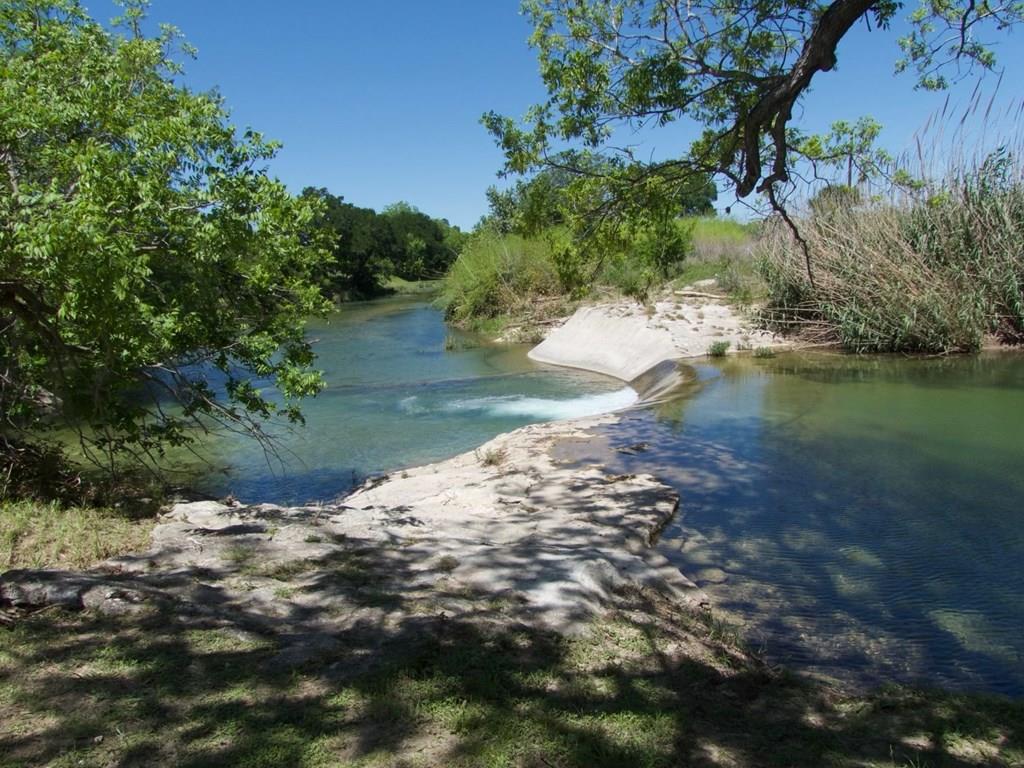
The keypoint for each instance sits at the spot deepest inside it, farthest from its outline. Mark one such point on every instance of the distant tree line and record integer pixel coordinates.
(369, 248)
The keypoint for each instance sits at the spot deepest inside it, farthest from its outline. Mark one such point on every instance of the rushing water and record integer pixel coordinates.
(862, 518)
(396, 397)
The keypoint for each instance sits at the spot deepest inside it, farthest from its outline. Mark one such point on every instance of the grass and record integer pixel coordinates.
(722, 249)
(78, 689)
(402, 287)
(932, 273)
(717, 238)
(48, 535)
(492, 457)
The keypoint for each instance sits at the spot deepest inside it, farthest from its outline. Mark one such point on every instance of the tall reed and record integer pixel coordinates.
(934, 272)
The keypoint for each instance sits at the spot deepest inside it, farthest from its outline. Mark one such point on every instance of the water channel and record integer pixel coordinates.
(859, 518)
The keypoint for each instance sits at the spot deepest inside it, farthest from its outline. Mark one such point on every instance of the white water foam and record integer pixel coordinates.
(547, 408)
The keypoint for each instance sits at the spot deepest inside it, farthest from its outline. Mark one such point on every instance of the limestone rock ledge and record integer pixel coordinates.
(500, 534)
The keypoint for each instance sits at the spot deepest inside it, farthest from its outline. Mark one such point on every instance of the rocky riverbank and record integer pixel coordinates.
(503, 532)
(497, 608)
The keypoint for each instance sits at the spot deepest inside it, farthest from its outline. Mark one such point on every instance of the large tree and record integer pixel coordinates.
(737, 67)
(427, 247)
(364, 248)
(152, 275)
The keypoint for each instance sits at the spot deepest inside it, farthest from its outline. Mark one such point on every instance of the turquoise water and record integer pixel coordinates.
(395, 397)
(861, 518)
(858, 518)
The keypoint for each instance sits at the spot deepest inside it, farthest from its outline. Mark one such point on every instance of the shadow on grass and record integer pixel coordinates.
(643, 688)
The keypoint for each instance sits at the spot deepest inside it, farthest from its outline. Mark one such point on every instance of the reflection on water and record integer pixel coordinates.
(862, 518)
(396, 397)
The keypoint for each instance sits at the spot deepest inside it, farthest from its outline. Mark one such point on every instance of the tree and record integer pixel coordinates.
(152, 275)
(547, 199)
(737, 67)
(363, 247)
(424, 251)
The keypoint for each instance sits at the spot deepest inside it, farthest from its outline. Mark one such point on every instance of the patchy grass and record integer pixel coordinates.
(723, 250)
(47, 535)
(717, 238)
(84, 690)
(402, 287)
(492, 457)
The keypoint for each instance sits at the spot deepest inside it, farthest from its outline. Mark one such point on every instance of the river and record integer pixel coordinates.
(857, 517)
(861, 518)
(402, 390)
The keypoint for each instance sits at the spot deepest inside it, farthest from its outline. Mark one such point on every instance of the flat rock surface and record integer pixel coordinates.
(500, 534)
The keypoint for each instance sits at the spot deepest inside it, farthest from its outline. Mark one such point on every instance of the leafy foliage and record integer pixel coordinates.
(739, 69)
(547, 199)
(148, 260)
(362, 250)
(369, 248)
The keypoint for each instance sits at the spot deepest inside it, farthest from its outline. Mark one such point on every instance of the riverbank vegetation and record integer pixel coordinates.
(152, 268)
(368, 249)
(932, 267)
(539, 251)
(526, 281)
(938, 271)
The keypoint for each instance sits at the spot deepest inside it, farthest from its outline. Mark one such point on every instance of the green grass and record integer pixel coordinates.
(723, 249)
(708, 230)
(395, 284)
(47, 535)
(84, 690)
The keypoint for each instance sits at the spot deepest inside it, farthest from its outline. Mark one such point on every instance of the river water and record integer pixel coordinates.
(860, 518)
(402, 390)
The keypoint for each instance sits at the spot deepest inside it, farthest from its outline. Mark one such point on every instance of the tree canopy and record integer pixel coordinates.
(545, 200)
(367, 248)
(737, 67)
(153, 275)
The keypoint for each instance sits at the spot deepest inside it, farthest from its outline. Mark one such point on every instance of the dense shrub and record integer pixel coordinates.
(932, 274)
(495, 274)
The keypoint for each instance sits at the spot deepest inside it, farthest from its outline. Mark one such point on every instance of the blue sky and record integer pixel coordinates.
(381, 102)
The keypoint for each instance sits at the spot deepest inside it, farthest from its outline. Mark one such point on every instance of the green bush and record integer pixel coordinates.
(718, 349)
(496, 274)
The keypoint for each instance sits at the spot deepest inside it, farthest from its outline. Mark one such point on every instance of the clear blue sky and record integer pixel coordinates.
(381, 102)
